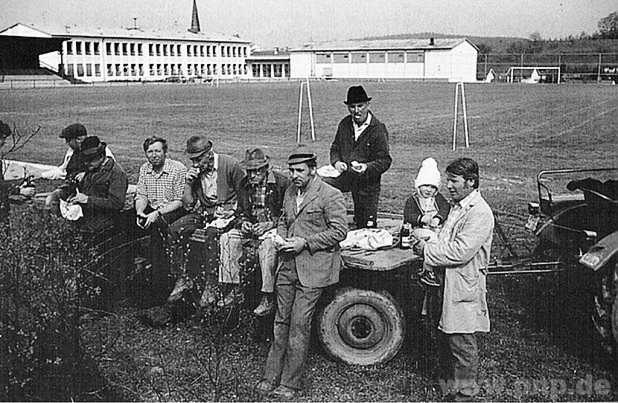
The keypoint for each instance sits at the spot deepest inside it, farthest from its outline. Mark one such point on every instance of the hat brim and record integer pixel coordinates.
(197, 154)
(253, 165)
(356, 101)
(92, 155)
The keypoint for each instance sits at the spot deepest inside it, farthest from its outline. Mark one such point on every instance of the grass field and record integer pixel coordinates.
(515, 130)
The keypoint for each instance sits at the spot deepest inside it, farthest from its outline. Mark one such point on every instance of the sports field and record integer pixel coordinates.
(515, 130)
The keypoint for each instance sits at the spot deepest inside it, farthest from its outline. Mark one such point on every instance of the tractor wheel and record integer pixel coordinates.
(361, 327)
(605, 310)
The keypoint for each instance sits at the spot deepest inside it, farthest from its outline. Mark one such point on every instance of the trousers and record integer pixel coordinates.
(460, 350)
(364, 196)
(295, 307)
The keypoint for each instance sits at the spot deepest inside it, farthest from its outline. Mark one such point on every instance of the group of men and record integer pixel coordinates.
(294, 223)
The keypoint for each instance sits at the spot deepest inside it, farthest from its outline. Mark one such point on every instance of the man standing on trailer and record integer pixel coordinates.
(312, 224)
(461, 253)
(361, 155)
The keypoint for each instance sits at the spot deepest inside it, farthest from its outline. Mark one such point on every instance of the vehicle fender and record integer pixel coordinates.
(601, 252)
(547, 231)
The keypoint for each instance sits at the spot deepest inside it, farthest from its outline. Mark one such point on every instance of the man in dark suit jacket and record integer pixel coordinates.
(360, 153)
(312, 225)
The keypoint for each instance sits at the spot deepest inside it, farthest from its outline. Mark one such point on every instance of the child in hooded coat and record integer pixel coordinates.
(426, 209)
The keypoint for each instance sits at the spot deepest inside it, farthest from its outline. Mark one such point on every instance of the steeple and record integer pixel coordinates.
(195, 20)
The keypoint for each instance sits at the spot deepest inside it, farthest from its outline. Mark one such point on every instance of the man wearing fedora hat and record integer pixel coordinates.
(360, 153)
(210, 192)
(260, 200)
(101, 192)
(312, 224)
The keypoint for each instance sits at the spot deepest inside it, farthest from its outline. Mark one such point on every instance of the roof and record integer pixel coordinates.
(383, 44)
(125, 33)
(273, 54)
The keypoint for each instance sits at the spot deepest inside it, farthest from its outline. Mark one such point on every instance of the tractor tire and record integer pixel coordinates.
(605, 309)
(361, 327)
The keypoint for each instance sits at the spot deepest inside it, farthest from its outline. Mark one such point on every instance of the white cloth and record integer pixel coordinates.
(428, 174)
(367, 238)
(328, 171)
(71, 212)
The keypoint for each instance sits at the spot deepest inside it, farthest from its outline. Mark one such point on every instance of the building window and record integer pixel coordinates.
(189, 70)
(255, 70)
(286, 70)
(141, 70)
(172, 50)
(234, 51)
(124, 49)
(201, 50)
(70, 70)
(202, 69)
(159, 70)
(166, 69)
(377, 57)
(229, 51)
(158, 48)
(97, 70)
(89, 70)
(179, 68)
(139, 49)
(117, 49)
(341, 57)
(178, 50)
(96, 47)
(188, 50)
(69, 48)
(215, 70)
(395, 57)
(244, 51)
(359, 57)
(150, 49)
(214, 51)
(78, 48)
(108, 49)
(132, 49)
(174, 69)
(80, 70)
(133, 70)
(110, 70)
(125, 70)
(118, 71)
(322, 58)
(151, 69)
(87, 48)
(165, 50)
(415, 57)
(195, 50)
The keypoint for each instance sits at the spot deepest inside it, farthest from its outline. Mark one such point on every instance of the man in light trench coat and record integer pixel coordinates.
(462, 251)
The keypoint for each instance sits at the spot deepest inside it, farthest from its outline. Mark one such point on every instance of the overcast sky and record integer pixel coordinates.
(271, 23)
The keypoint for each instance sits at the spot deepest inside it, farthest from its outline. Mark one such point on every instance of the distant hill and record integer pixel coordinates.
(505, 44)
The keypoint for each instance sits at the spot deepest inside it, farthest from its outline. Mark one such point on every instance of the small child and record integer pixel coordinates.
(426, 209)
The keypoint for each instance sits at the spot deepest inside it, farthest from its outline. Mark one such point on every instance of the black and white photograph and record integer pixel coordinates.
(312, 200)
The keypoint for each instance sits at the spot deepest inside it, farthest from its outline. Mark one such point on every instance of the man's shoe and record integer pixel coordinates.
(265, 307)
(158, 316)
(183, 284)
(208, 297)
(232, 297)
(284, 393)
(264, 387)
(430, 279)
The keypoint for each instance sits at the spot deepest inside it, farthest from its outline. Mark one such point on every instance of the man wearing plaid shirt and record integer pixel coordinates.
(158, 203)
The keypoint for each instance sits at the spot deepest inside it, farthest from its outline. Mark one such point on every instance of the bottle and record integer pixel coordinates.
(371, 222)
(406, 231)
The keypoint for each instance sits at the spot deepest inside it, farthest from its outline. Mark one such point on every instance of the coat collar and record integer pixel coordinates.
(310, 193)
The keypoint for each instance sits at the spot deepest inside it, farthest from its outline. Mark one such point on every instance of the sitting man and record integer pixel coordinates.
(100, 193)
(210, 192)
(71, 169)
(260, 200)
(158, 203)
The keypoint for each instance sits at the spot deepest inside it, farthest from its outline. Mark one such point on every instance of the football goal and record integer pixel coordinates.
(533, 75)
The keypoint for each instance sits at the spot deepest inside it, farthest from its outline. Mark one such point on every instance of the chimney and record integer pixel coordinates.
(195, 20)
(431, 41)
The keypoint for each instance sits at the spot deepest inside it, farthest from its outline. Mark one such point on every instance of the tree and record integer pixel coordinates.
(484, 48)
(608, 26)
(536, 36)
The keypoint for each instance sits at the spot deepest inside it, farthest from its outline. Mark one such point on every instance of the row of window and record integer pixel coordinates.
(158, 49)
(370, 57)
(271, 70)
(165, 69)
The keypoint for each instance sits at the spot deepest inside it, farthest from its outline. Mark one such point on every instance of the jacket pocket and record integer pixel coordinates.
(315, 217)
(465, 288)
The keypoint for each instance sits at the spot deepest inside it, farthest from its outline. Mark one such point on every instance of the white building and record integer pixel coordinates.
(131, 54)
(452, 59)
(269, 64)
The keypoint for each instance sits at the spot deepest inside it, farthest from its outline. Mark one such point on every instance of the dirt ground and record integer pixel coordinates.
(540, 346)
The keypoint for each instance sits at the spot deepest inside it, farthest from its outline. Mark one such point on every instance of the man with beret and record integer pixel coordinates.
(210, 192)
(360, 153)
(311, 226)
(101, 192)
(260, 201)
(71, 169)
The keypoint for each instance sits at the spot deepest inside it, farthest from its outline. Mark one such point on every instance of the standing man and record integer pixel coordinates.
(462, 253)
(260, 202)
(158, 203)
(210, 192)
(360, 153)
(312, 225)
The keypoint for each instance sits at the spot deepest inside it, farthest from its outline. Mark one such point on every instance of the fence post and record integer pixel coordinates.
(599, 69)
(485, 75)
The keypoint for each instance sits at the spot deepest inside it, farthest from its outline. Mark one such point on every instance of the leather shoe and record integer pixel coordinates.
(208, 297)
(265, 307)
(284, 393)
(264, 387)
(183, 284)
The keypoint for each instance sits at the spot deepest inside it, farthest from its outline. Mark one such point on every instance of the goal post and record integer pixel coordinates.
(546, 74)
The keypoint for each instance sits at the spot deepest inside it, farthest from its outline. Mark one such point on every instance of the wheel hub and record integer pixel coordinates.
(361, 326)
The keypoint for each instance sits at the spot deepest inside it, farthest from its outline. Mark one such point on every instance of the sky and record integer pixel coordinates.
(281, 23)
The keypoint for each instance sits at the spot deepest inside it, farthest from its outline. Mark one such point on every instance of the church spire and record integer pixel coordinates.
(195, 20)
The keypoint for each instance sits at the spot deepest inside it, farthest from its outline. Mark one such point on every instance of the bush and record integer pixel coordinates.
(46, 278)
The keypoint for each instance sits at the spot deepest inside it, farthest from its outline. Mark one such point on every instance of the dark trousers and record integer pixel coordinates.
(180, 232)
(295, 308)
(365, 196)
(459, 353)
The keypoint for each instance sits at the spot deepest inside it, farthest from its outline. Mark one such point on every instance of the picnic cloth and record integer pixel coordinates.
(367, 238)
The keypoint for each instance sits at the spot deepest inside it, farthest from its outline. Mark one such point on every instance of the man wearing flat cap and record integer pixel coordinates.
(360, 153)
(260, 201)
(101, 192)
(210, 192)
(311, 226)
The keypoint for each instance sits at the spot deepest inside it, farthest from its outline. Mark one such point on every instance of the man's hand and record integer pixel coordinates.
(294, 245)
(341, 166)
(80, 176)
(435, 222)
(359, 167)
(151, 218)
(419, 247)
(261, 227)
(192, 175)
(27, 191)
(79, 198)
